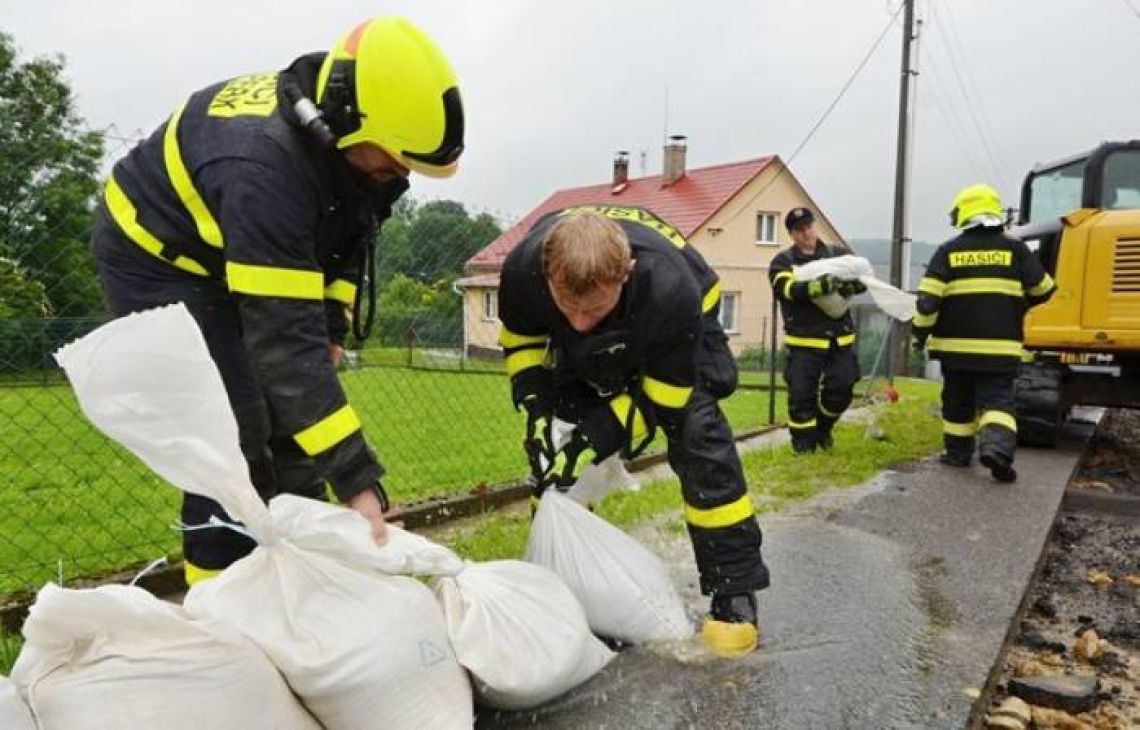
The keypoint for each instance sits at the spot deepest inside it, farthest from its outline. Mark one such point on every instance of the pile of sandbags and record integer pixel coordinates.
(361, 648)
(117, 657)
(14, 712)
(356, 636)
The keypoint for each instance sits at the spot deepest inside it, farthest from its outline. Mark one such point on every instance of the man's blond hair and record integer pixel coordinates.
(583, 251)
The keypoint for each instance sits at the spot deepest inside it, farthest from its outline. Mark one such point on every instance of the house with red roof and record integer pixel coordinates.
(732, 213)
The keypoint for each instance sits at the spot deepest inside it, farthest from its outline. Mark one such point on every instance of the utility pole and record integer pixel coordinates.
(898, 349)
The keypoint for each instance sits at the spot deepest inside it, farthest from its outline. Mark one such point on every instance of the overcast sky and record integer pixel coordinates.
(552, 88)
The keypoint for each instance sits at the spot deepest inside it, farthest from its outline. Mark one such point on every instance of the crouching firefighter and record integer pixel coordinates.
(971, 305)
(819, 334)
(257, 204)
(610, 323)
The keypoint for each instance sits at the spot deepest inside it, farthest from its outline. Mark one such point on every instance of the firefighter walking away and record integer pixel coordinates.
(971, 305)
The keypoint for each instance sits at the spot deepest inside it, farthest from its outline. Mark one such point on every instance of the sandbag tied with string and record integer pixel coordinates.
(360, 647)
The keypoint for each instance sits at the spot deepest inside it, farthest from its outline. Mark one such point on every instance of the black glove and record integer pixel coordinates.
(822, 286)
(848, 289)
(920, 341)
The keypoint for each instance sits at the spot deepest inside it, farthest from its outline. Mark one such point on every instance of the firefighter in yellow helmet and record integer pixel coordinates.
(257, 203)
(971, 304)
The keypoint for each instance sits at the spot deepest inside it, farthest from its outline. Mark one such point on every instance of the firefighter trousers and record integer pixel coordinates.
(133, 281)
(821, 383)
(978, 405)
(719, 514)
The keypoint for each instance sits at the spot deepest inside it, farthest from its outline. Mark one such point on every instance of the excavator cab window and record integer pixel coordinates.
(1054, 192)
(1121, 180)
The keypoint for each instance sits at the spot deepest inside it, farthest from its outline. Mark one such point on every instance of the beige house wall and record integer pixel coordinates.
(728, 242)
(481, 332)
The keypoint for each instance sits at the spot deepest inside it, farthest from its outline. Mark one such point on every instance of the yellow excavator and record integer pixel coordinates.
(1081, 215)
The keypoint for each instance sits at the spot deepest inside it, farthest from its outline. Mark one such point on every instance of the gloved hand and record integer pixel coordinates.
(822, 286)
(557, 457)
(848, 289)
(920, 341)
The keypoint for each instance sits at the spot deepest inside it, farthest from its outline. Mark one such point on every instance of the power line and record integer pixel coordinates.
(983, 111)
(834, 103)
(968, 102)
(1132, 7)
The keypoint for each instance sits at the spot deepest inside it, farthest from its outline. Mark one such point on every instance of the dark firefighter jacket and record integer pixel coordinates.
(805, 324)
(642, 360)
(231, 188)
(973, 299)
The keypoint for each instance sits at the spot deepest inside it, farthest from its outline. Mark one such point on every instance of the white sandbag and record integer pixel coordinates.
(14, 712)
(362, 649)
(117, 657)
(598, 480)
(895, 302)
(520, 632)
(625, 589)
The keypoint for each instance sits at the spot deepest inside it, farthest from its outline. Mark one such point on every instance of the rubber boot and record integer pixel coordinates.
(999, 466)
(731, 628)
(951, 458)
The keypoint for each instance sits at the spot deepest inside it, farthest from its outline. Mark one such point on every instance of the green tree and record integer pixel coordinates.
(49, 167)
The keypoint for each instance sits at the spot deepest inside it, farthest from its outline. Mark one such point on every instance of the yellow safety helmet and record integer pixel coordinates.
(975, 200)
(388, 84)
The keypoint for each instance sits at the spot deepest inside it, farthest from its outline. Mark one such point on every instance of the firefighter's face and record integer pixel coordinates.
(584, 311)
(805, 236)
(374, 162)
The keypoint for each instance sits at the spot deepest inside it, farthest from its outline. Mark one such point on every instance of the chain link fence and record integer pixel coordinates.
(429, 385)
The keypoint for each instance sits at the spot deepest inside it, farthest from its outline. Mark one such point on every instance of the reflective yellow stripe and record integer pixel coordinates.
(126, 217)
(525, 359)
(341, 291)
(982, 285)
(819, 343)
(621, 406)
(932, 286)
(801, 425)
(785, 289)
(1046, 285)
(723, 516)
(193, 574)
(184, 186)
(328, 432)
(959, 429)
(998, 418)
(664, 394)
(712, 298)
(271, 281)
(967, 346)
(511, 340)
(828, 413)
(925, 320)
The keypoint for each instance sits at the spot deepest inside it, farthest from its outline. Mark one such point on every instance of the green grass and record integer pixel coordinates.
(74, 504)
(9, 650)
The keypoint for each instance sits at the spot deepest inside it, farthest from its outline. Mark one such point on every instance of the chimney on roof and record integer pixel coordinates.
(621, 169)
(674, 159)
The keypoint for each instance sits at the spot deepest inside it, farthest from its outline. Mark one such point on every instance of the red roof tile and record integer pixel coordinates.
(687, 203)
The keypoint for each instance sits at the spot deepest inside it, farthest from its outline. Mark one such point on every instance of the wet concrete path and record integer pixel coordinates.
(889, 603)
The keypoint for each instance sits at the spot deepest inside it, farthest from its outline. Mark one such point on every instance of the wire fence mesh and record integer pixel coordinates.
(429, 385)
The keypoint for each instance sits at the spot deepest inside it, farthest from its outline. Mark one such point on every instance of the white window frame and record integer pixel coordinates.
(775, 218)
(734, 297)
(490, 311)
